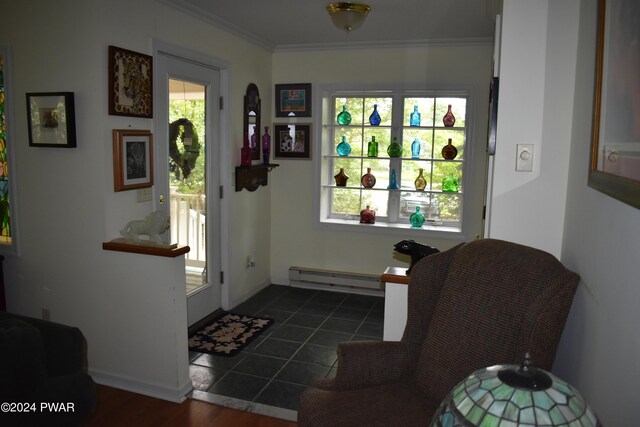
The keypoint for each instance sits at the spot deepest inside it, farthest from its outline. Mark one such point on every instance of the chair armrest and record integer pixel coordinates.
(64, 345)
(370, 363)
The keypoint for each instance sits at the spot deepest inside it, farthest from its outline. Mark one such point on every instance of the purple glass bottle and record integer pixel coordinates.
(266, 146)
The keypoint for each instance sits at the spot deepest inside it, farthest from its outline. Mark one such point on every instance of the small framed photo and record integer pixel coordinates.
(130, 83)
(132, 159)
(293, 100)
(51, 119)
(292, 141)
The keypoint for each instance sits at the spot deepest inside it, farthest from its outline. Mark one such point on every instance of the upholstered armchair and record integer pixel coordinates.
(478, 304)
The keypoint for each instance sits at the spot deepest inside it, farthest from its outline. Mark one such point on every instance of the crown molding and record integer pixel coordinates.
(220, 23)
(251, 37)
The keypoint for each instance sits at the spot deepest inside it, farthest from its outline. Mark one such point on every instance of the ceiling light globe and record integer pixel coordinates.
(348, 16)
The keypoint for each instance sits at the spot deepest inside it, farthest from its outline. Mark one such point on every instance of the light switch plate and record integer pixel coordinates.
(524, 158)
(144, 195)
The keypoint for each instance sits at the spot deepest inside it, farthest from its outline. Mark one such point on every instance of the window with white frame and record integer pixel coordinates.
(395, 195)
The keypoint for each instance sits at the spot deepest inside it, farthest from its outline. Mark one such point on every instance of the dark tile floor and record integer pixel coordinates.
(298, 349)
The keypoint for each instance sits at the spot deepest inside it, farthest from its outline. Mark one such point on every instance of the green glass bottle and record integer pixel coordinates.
(372, 149)
(450, 184)
(395, 149)
(344, 118)
(417, 218)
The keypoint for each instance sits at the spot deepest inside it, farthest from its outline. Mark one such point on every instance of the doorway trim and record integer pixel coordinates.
(187, 55)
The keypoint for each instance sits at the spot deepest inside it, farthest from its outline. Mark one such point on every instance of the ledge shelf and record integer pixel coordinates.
(122, 245)
(252, 177)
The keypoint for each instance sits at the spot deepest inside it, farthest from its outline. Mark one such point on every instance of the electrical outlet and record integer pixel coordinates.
(251, 261)
(524, 158)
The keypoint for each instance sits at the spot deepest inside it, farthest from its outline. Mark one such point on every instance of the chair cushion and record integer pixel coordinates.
(22, 359)
(381, 406)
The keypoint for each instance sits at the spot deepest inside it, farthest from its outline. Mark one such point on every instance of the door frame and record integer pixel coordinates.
(187, 55)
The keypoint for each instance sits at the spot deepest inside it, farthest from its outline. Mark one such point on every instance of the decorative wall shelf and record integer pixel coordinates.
(123, 245)
(252, 177)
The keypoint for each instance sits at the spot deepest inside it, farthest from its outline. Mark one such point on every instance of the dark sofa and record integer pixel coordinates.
(43, 373)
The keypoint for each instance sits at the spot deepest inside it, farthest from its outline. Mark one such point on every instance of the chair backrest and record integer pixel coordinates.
(492, 301)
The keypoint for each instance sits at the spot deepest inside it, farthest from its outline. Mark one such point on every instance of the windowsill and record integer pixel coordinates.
(442, 231)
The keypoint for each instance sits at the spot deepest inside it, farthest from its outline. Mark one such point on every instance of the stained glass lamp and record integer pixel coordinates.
(511, 395)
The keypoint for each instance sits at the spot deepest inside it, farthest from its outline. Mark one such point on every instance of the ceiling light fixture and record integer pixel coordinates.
(348, 16)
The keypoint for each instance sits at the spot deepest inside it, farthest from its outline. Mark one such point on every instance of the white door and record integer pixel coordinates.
(188, 173)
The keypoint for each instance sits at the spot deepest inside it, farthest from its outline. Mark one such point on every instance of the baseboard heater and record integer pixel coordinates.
(337, 280)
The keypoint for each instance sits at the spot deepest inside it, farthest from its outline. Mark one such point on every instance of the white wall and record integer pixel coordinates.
(130, 307)
(546, 98)
(296, 240)
(601, 344)
(536, 72)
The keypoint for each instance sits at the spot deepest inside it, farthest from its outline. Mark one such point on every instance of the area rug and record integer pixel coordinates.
(227, 334)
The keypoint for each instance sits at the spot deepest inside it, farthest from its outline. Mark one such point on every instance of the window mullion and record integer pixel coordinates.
(393, 207)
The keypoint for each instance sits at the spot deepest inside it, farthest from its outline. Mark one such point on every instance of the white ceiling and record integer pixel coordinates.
(305, 24)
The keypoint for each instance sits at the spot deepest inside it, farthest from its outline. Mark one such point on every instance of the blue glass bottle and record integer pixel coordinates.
(417, 218)
(415, 149)
(344, 118)
(393, 180)
(343, 148)
(414, 118)
(374, 118)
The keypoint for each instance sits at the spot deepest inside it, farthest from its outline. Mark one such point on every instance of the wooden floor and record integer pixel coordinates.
(122, 408)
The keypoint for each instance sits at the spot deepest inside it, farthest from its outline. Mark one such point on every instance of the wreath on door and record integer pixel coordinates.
(182, 163)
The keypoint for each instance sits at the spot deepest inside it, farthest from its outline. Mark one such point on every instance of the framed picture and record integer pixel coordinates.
(130, 83)
(292, 141)
(293, 100)
(132, 159)
(51, 119)
(615, 143)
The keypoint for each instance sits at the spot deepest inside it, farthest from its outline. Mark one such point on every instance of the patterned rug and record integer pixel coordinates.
(228, 334)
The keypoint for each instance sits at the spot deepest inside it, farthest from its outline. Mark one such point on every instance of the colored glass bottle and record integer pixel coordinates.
(417, 218)
(414, 118)
(368, 180)
(367, 216)
(344, 118)
(420, 183)
(450, 184)
(415, 149)
(393, 180)
(372, 148)
(245, 152)
(341, 178)
(449, 152)
(343, 148)
(374, 118)
(395, 149)
(266, 145)
(449, 119)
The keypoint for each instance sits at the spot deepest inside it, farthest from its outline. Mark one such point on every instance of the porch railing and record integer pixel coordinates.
(188, 225)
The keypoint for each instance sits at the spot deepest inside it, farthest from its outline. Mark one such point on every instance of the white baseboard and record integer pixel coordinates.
(140, 387)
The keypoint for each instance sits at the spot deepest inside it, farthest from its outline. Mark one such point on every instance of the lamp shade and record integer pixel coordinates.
(348, 16)
(509, 396)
